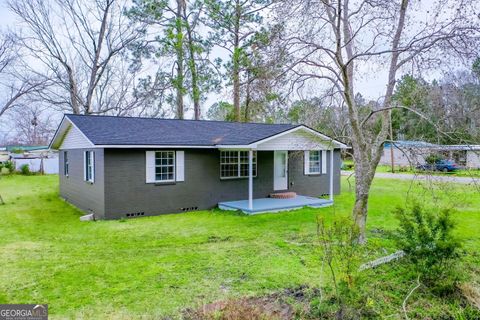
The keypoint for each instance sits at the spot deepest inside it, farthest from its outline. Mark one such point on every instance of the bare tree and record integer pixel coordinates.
(15, 83)
(331, 41)
(76, 45)
(33, 125)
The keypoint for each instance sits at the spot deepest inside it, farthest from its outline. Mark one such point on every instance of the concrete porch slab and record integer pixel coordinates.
(263, 205)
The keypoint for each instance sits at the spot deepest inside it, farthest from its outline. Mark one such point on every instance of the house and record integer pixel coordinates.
(413, 153)
(4, 155)
(406, 153)
(38, 158)
(466, 155)
(25, 149)
(116, 167)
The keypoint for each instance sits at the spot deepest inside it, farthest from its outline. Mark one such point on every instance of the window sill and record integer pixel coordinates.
(164, 183)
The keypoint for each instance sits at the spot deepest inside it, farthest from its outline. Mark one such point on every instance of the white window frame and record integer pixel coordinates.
(89, 165)
(313, 163)
(238, 164)
(65, 164)
(173, 165)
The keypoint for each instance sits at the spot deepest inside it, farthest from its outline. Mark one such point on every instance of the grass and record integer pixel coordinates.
(458, 173)
(475, 173)
(155, 266)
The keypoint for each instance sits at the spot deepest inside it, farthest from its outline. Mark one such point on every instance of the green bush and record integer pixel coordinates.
(342, 255)
(25, 169)
(433, 158)
(428, 241)
(9, 166)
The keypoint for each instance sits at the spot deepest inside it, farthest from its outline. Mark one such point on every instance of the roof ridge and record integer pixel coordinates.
(169, 119)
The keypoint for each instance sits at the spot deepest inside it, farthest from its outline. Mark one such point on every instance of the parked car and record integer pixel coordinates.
(440, 165)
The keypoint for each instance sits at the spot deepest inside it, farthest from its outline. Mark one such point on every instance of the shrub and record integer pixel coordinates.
(341, 252)
(428, 241)
(432, 158)
(25, 169)
(9, 166)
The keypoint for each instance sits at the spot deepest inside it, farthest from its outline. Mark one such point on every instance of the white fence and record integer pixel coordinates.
(50, 165)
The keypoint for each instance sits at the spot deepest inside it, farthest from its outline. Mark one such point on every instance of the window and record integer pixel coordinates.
(89, 166)
(65, 163)
(314, 163)
(234, 164)
(164, 166)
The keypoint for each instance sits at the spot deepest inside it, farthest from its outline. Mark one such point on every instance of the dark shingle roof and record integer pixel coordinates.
(108, 130)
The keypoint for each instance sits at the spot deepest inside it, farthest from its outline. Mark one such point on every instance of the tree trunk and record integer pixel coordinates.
(193, 70)
(180, 60)
(367, 153)
(95, 63)
(236, 63)
(247, 110)
(72, 86)
(360, 209)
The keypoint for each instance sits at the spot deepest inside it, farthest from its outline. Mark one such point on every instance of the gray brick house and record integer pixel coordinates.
(117, 167)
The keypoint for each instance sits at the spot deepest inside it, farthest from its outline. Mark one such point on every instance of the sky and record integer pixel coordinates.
(371, 88)
(371, 85)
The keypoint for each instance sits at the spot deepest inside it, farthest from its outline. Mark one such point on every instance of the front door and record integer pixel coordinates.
(280, 170)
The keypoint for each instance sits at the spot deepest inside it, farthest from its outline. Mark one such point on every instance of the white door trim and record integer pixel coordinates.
(280, 183)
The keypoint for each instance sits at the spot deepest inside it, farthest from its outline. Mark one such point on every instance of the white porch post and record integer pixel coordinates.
(250, 179)
(331, 175)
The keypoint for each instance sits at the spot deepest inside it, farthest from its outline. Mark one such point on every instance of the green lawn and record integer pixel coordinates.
(475, 173)
(155, 266)
(458, 173)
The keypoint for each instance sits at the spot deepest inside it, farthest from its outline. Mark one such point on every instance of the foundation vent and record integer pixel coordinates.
(188, 209)
(135, 214)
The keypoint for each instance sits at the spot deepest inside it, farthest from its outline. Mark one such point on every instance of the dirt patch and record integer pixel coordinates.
(276, 306)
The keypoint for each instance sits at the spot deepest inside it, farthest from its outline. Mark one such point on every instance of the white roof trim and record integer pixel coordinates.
(338, 144)
(236, 146)
(62, 130)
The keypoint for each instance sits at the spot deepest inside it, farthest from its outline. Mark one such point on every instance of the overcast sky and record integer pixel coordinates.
(371, 86)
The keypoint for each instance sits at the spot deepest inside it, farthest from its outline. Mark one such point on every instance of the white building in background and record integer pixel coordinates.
(413, 153)
(50, 165)
(38, 159)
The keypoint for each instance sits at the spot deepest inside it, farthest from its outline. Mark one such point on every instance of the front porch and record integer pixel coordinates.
(317, 158)
(263, 205)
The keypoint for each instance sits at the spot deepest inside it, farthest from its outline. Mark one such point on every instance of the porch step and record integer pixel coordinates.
(283, 195)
